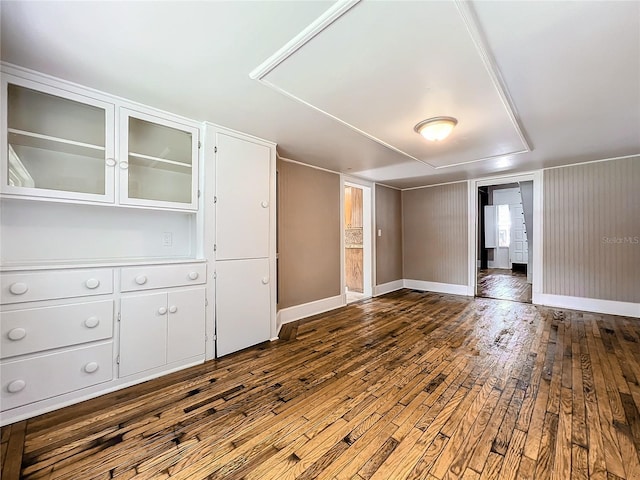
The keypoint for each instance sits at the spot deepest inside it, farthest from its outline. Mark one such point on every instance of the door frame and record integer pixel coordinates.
(537, 247)
(368, 225)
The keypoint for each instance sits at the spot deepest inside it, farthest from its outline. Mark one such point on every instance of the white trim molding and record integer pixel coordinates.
(436, 287)
(292, 46)
(625, 309)
(537, 178)
(297, 312)
(388, 287)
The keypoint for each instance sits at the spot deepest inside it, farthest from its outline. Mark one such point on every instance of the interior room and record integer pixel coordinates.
(326, 239)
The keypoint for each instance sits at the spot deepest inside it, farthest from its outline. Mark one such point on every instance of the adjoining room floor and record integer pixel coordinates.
(407, 385)
(504, 284)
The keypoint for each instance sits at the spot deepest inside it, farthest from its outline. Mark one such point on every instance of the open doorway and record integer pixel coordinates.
(505, 234)
(357, 242)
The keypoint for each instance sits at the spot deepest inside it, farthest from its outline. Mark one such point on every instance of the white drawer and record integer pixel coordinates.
(34, 329)
(33, 286)
(45, 376)
(162, 276)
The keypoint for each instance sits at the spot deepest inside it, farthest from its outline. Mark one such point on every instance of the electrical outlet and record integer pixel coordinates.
(167, 239)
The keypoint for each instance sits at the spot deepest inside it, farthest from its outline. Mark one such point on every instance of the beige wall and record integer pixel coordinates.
(435, 234)
(309, 234)
(591, 229)
(389, 245)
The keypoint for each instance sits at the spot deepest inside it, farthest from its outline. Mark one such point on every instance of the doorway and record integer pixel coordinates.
(504, 236)
(357, 242)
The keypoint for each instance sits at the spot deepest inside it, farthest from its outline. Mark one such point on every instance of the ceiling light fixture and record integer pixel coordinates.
(437, 128)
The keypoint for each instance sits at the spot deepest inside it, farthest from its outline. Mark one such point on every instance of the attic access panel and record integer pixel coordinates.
(381, 67)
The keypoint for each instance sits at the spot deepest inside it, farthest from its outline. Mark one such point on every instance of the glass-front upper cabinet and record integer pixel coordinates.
(56, 143)
(158, 161)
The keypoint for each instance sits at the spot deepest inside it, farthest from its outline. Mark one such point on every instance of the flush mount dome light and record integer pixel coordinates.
(437, 128)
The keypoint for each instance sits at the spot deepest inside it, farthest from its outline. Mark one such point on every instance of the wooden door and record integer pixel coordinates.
(185, 324)
(242, 304)
(242, 198)
(143, 333)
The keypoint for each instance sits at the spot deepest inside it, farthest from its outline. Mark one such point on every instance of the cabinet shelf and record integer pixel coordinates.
(56, 144)
(150, 158)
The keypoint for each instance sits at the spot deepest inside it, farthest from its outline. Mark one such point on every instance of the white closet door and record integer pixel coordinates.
(143, 333)
(519, 246)
(242, 305)
(242, 191)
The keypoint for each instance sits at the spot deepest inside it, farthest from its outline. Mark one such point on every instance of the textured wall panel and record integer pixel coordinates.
(389, 245)
(309, 234)
(435, 230)
(592, 230)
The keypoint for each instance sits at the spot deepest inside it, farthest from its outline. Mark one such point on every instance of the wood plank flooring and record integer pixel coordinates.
(410, 385)
(504, 284)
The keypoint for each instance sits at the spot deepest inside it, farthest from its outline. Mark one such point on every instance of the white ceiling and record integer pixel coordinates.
(532, 84)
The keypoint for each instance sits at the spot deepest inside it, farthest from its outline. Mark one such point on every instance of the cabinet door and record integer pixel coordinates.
(186, 324)
(242, 191)
(243, 307)
(158, 162)
(55, 143)
(143, 333)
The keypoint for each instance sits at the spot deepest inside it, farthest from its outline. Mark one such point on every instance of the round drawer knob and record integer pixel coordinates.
(124, 165)
(162, 310)
(173, 309)
(141, 279)
(17, 334)
(110, 162)
(18, 288)
(265, 280)
(92, 283)
(91, 367)
(92, 322)
(193, 275)
(264, 204)
(16, 386)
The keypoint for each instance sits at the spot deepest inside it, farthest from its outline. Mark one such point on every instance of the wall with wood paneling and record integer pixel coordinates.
(435, 234)
(591, 230)
(389, 245)
(309, 237)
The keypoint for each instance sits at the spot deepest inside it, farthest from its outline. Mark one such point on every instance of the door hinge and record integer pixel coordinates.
(215, 149)
(118, 359)
(215, 337)
(215, 275)
(206, 301)
(119, 316)
(199, 145)
(215, 199)
(198, 193)
(215, 247)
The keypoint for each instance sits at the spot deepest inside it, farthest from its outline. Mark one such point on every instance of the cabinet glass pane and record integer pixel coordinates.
(55, 143)
(159, 162)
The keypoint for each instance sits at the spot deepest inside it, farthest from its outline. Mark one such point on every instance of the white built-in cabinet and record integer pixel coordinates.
(127, 251)
(166, 323)
(158, 161)
(244, 246)
(61, 145)
(57, 333)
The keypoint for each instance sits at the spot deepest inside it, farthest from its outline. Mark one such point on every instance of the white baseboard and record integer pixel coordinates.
(625, 309)
(297, 312)
(388, 287)
(437, 287)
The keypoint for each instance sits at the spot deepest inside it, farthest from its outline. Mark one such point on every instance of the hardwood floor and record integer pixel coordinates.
(406, 386)
(504, 285)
